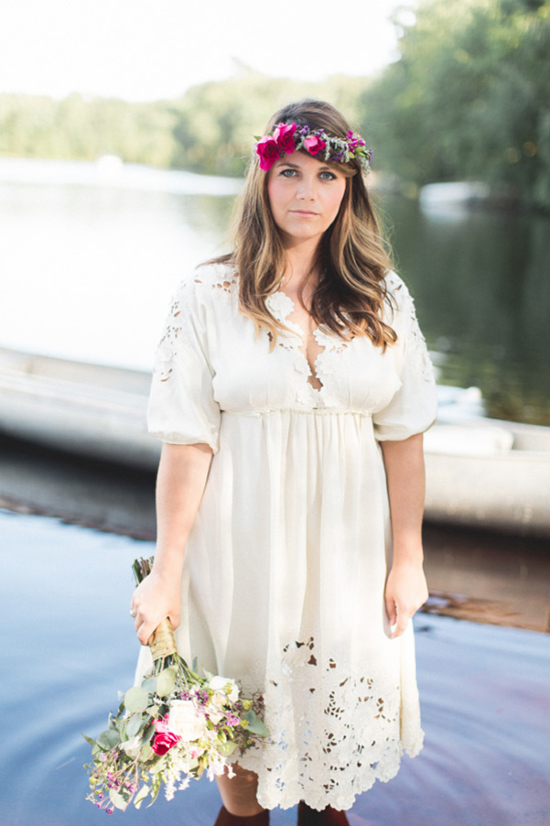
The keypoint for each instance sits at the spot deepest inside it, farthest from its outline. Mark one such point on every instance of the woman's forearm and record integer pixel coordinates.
(406, 588)
(404, 463)
(182, 475)
(181, 479)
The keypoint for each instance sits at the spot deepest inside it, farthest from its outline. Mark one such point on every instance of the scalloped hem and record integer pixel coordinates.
(337, 798)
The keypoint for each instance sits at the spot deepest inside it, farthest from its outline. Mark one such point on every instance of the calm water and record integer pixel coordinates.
(88, 262)
(70, 647)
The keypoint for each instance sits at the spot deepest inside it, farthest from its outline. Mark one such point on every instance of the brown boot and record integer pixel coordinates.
(225, 818)
(326, 817)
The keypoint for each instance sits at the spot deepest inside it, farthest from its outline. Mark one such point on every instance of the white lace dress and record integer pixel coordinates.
(285, 566)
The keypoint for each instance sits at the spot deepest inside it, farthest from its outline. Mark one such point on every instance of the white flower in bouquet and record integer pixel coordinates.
(185, 721)
(132, 747)
(215, 716)
(219, 685)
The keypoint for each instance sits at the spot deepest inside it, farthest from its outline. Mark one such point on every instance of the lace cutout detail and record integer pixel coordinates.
(332, 735)
(312, 384)
(416, 340)
(222, 277)
(171, 341)
(218, 277)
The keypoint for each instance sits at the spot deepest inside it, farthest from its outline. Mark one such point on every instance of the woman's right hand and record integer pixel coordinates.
(156, 598)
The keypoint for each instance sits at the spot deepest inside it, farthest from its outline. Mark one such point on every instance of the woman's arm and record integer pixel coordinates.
(181, 479)
(406, 588)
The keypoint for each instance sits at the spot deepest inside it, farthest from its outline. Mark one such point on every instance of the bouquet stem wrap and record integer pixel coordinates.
(162, 642)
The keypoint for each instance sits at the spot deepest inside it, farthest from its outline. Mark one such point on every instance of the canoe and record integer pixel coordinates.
(480, 472)
(491, 474)
(91, 410)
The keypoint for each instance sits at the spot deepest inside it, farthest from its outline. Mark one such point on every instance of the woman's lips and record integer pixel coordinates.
(303, 212)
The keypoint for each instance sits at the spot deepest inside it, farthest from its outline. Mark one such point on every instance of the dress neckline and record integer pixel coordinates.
(281, 305)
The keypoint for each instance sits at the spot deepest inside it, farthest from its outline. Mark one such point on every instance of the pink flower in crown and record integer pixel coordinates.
(269, 152)
(314, 144)
(163, 739)
(284, 137)
(352, 141)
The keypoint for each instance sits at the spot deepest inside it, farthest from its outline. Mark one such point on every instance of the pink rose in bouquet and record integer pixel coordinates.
(163, 739)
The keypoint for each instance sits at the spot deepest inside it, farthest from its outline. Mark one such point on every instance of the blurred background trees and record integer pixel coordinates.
(468, 99)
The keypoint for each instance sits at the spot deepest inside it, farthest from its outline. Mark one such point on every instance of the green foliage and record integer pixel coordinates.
(108, 739)
(166, 681)
(208, 130)
(255, 724)
(81, 128)
(216, 121)
(136, 699)
(468, 98)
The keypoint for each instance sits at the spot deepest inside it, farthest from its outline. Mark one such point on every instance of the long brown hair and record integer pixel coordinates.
(352, 258)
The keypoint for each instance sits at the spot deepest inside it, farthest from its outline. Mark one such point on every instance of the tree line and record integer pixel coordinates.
(466, 100)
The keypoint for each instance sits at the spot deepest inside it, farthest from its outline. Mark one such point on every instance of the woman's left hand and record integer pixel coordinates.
(406, 590)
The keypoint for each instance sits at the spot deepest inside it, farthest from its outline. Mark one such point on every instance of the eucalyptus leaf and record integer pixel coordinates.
(149, 684)
(227, 748)
(152, 711)
(255, 725)
(159, 766)
(148, 733)
(146, 752)
(135, 724)
(166, 681)
(136, 699)
(117, 799)
(155, 794)
(141, 795)
(108, 739)
(88, 739)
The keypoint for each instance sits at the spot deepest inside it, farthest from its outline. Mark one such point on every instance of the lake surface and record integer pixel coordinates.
(70, 646)
(89, 257)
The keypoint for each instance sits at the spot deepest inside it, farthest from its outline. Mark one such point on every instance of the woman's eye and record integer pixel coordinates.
(328, 176)
(288, 173)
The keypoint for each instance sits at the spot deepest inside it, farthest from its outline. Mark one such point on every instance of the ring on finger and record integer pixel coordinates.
(132, 612)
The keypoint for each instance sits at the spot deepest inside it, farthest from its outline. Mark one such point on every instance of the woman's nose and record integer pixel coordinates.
(308, 188)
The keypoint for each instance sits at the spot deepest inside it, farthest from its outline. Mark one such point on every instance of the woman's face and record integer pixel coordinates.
(304, 195)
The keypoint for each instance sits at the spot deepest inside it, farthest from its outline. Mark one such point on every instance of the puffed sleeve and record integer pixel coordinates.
(182, 409)
(413, 408)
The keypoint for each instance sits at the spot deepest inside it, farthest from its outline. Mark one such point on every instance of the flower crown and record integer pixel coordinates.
(289, 137)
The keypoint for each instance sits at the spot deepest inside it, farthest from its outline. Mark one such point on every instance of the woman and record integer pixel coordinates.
(298, 363)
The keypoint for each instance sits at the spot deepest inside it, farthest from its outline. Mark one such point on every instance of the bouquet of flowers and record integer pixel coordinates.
(172, 728)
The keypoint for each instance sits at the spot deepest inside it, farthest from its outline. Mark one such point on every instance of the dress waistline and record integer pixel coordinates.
(315, 411)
